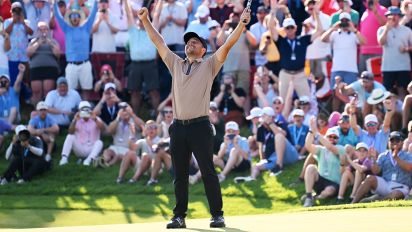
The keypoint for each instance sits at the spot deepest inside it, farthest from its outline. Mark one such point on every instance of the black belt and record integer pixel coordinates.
(77, 62)
(191, 121)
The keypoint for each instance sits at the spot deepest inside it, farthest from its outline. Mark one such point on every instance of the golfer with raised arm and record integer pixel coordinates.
(191, 130)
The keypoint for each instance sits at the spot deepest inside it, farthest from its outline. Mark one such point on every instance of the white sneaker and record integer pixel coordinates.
(3, 181)
(192, 179)
(21, 181)
(308, 202)
(87, 162)
(221, 177)
(63, 161)
(47, 157)
(241, 179)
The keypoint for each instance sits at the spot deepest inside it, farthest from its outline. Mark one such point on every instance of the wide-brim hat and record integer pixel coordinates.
(377, 96)
(74, 11)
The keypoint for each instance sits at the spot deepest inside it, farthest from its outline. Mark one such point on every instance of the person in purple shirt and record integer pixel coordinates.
(77, 32)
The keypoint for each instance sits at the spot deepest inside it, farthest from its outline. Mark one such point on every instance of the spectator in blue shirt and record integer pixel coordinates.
(37, 11)
(4, 127)
(347, 134)
(43, 126)
(77, 33)
(298, 131)
(395, 167)
(9, 96)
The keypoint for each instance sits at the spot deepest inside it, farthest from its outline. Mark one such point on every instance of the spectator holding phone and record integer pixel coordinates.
(108, 107)
(107, 76)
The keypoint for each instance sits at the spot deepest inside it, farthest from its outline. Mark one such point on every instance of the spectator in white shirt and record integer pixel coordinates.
(103, 29)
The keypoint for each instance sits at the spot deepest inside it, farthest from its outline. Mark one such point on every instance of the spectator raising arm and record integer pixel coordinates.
(17, 84)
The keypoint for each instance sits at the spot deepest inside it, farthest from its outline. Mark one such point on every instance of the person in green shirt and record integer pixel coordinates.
(344, 6)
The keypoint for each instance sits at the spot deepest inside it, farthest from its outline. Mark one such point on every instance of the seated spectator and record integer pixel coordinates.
(262, 88)
(298, 131)
(108, 107)
(104, 29)
(395, 166)
(62, 103)
(233, 153)
(230, 100)
(275, 150)
(377, 100)
(407, 105)
(164, 120)
(374, 136)
(43, 51)
(347, 134)
(322, 123)
(107, 76)
(43, 126)
(4, 128)
(254, 117)
(324, 178)
(124, 131)
(307, 106)
(407, 144)
(218, 123)
(84, 136)
(9, 96)
(141, 154)
(363, 88)
(162, 156)
(356, 171)
(27, 158)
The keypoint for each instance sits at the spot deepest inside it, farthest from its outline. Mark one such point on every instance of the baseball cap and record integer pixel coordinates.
(361, 145)
(393, 10)
(298, 112)
(16, 5)
(254, 113)
(109, 85)
(278, 98)
(213, 104)
(344, 117)
(212, 23)
(289, 22)
(61, 80)
(261, 9)
(41, 106)
(307, 2)
(371, 118)
(106, 67)
(202, 11)
(232, 126)
(5, 76)
(332, 131)
(20, 128)
(84, 104)
(344, 15)
(268, 111)
(192, 34)
(367, 75)
(395, 135)
(304, 100)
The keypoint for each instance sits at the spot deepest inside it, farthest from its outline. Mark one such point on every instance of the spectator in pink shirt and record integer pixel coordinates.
(84, 136)
(371, 20)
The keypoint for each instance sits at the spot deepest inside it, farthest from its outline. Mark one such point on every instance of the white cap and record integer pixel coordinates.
(109, 85)
(232, 125)
(362, 145)
(254, 113)
(371, 118)
(278, 98)
(332, 131)
(20, 128)
(268, 111)
(212, 104)
(344, 15)
(304, 99)
(84, 104)
(5, 76)
(298, 112)
(212, 23)
(41, 106)
(288, 22)
(202, 11)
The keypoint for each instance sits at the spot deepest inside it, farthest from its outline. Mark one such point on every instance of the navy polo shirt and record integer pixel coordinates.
(285, 50)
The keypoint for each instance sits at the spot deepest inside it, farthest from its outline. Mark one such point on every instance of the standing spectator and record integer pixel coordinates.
(371, 20)
(18, 28)
(27, 157)
(104, 30)
(395, 166)
(297, 12)
(237, 63)
(345, 39)
(9, 96)
(293, 54)
(108, 107)
(221, 11)
(107, 76)
(44, 127)
(4, 48)
(258, 29)
(43, 51)
(84, 136)
(37, 11)
(396, 41)
(62, 103)
(214, 28)
(118, 9)
(143, 69)
(199, 26)
(77, 37)
(57, 31)
(344, 6)
(324, 178)
(5, 6)
(262, 88)
(173, 18)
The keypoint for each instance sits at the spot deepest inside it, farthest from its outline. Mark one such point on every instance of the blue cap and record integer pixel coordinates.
(393, 10)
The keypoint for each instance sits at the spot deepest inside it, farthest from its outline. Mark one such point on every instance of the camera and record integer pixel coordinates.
(231, 136)
(228, 87)
(17, 11)
(233, 25)
(344, 24)
(106, 72)
(103, 11)
(3, 84)
(123, 105)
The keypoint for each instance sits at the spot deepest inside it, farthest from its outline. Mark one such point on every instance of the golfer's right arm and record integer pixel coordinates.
(154, 35)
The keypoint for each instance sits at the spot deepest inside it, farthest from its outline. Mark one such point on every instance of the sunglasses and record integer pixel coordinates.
(333, 137)
(167, 111)
(345, 118)
(395, 140)
(277, 102)
(289, 27)
(153, 127)
(212, 28)
(74, 16)
(371, 124)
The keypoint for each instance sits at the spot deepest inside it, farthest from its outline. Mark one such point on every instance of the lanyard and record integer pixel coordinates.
(292, 44)
(297, 137)
(26, 151)
(393, 161)
(111, 111)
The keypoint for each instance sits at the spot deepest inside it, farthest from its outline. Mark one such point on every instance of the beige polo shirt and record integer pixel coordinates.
(191, 93)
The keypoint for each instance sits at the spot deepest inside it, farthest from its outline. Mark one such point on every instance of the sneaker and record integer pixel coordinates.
(63, 161)
(176, 222)
(3, 181)
(308, 202)
(217, 222)
(221, 177)
(132, 181)
(241, 179)
(296, 182)
(372, 198)
(119, 180)
(47, 158)
(276, 170)
(340, 201)
(87, 162)
(152, 182)
(79, 161)
(21, 181)
(192, 179)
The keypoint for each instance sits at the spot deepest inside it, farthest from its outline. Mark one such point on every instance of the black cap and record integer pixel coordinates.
(396, 134)
(262, 9)
(367, 75)
(190, 35)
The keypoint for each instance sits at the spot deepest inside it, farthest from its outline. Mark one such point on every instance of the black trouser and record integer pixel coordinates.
(197, 138)
(27, 167)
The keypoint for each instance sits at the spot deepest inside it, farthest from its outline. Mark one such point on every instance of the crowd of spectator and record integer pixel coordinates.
(324, 81)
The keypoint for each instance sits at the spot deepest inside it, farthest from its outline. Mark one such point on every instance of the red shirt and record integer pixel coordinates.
(327, 7)
(5, 9)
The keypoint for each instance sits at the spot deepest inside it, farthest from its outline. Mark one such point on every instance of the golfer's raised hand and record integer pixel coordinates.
(245, 17)
(142, 13)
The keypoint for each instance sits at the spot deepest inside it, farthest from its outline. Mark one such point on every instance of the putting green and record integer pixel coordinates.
(373, 219)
